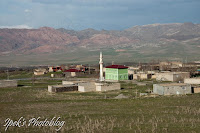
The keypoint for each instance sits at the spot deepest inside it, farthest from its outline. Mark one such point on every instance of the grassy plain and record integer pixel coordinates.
(99, 112)
(171, 51)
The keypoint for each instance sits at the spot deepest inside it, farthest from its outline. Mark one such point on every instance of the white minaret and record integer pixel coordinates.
(101, 67)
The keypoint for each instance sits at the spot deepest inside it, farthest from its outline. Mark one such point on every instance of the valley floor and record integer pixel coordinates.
(99, 111)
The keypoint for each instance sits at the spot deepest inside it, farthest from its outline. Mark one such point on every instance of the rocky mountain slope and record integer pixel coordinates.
(48, 40)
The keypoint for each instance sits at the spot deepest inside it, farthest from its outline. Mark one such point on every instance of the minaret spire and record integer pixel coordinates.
(101, 67)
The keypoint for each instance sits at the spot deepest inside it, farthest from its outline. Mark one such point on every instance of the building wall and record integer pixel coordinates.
(181, 76)
(39, 73)
(164, 77)
(87, 87)
(196, 89)
(8, 83)
(136, 77)
(171, 90)
(73, 74)
(116, 74)
(111, 74)
(157, 89)
(50, 69)
(192, 80)
(172, 76)
(122, 74)
(153, 76)
(141, 76)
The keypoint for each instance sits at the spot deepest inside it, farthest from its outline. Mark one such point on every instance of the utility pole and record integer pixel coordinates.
(136, 93)
(7, 74)
(112, 62)
(89, 68)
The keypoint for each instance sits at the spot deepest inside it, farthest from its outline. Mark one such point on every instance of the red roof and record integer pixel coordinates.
(72, 70)
(117, 66)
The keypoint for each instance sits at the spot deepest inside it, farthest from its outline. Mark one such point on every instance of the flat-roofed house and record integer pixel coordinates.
(172, 89)
(172, 76)
(116, 72)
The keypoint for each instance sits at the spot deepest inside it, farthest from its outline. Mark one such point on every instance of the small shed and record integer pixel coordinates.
(172, 89)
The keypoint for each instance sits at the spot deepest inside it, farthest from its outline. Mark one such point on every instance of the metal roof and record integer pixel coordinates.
(117, 66)
(72, 70)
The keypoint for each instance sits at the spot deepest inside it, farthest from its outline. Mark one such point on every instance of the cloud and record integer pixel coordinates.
(27, 10)
(16, 27)
(97, 14)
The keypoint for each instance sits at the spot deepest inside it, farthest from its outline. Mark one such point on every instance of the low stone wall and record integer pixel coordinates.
(67, 82)
(8, 83)
(107, 86)
(62, 88)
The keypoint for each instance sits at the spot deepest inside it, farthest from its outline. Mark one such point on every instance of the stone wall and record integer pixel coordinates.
(62, 88)
(8, 83)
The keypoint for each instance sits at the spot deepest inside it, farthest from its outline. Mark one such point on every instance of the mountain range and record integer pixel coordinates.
(159, 37)
(47, 39)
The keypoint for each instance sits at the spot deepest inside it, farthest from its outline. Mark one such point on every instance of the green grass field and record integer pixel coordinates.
(171, 51)
(99, 112)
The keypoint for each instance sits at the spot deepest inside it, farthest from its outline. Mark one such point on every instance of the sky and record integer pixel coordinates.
(96, 14)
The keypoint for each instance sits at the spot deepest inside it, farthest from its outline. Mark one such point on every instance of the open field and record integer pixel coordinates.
(99, 111)
(178, 52)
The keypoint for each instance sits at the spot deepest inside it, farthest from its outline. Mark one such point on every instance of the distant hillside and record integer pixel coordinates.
(50, 40)
(153, 40)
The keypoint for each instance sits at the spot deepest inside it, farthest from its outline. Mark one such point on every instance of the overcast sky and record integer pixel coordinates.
(97, 14)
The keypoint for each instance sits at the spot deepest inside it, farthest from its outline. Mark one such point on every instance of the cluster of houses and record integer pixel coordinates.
(176, 82)
(67, 71)
(175, 75)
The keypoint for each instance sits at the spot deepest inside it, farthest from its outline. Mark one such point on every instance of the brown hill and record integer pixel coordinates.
(26, 40)
(50, 40)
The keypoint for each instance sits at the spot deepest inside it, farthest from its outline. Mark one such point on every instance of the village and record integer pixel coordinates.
(104, 97)
(166, 77)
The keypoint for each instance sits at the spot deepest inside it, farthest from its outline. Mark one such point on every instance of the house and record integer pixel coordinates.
(116, 72)
(172, 76)
(40, 71)
(141, 76)
(50, 69)
(71, 72)
(172, 89)
(57, 69)
(166, 65)
(81, 67)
